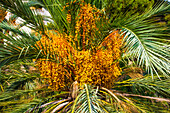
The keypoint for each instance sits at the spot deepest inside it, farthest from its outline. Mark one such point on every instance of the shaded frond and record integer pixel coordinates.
(146, 41)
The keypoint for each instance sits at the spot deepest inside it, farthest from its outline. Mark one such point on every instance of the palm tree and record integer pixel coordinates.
(82, 54)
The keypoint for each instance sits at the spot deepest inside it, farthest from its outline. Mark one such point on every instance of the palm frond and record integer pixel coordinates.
(145, 41)
(59, 16)
(17, 48)
(122, 102)
(87, 101)
(22, 10)
(145, 86)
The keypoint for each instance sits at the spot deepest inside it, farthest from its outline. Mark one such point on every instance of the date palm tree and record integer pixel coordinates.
(80, 40)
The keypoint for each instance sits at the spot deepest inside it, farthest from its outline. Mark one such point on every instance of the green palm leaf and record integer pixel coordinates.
(145, 41)
(22, 10)
(87, 101)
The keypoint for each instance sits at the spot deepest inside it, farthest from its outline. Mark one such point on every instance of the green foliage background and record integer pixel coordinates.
(126, 8)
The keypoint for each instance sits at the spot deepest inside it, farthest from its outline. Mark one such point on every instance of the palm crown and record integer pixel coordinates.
(83, 44)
